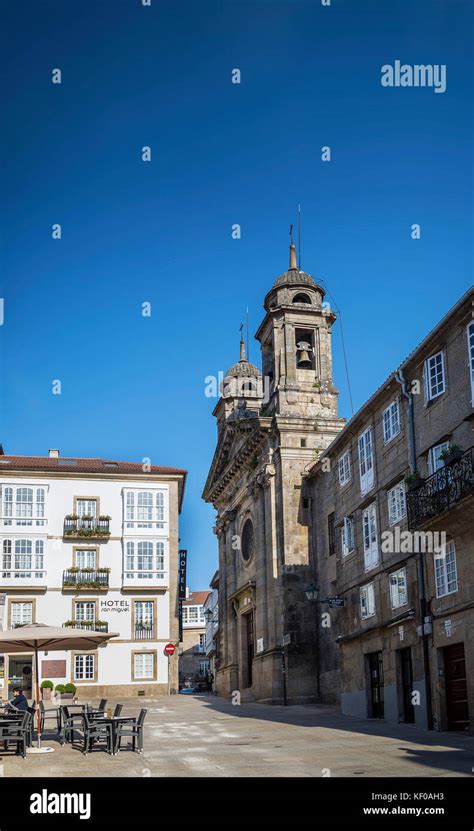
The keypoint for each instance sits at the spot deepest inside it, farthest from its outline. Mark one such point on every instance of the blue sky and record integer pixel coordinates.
(222, 153)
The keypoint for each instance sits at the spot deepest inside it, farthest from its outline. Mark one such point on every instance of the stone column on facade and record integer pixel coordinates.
(220, 531)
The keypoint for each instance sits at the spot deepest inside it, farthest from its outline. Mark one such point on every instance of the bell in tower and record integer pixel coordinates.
(304, 355)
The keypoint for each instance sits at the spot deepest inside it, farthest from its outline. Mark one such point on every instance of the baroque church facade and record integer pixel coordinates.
(272, 426)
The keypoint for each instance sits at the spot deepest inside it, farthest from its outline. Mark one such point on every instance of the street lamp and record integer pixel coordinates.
(312, 592)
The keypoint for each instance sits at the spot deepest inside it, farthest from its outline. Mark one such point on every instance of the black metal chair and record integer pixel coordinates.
(17, 732)
(102, 704)
(31, 723)
(48, 714)
(69, 723)
(133, 730)
(96, 732)
(118, 710)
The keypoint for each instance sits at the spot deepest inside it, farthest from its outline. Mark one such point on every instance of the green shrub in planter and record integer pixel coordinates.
(47, 688)
(60, 688)
(70, 688)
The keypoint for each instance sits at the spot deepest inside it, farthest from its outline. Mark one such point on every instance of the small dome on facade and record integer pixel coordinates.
(243, 369)
(293, 277)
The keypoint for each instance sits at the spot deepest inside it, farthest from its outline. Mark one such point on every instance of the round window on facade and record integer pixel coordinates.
(248, 541)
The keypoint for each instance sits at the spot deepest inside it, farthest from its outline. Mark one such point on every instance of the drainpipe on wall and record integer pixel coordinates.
(420, 564)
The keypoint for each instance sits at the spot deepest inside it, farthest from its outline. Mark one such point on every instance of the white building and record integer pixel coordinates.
(92, 543)
(211, 614)
(193, 664)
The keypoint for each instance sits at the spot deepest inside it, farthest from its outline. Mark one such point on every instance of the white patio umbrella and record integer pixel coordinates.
(38, 637)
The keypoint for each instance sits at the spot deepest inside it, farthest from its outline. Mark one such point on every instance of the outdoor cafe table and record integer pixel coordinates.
(114, 721)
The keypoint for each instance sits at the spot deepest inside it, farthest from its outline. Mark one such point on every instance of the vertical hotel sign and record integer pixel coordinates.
(181, 588)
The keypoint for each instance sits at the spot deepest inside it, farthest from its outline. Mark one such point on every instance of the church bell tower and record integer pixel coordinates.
(295, 338)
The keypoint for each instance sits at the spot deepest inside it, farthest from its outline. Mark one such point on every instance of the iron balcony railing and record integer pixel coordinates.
(442, 491)
(86, 527)
(89, 579)
(144, 631)
(95, 625)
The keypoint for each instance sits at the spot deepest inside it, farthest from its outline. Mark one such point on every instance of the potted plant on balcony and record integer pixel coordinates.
(47, 688)
(414, 481)
(452, 454)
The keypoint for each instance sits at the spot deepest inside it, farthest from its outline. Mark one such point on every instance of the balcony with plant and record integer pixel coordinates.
(87, 526)
(87, 578)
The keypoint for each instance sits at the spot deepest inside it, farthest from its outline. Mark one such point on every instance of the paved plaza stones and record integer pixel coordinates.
(207, 736)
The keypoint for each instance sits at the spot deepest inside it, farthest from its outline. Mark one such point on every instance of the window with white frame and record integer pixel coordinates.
(84, 611)
(434, 376)
(347, 533)
(86, 507)
(145, 509)
(23, 506)
(470, 354)
(344, 468)
(396, 503)
(143, 666)
(391, 421)
(86, 558)
(398, 588)
(144, 618)
(367, 601)
(145, 559)
(369, 535)
(202, 640)
(446, 575)
(366, 461)
(84, 666)
(193, 615)
(435, 462)
(21, 613)
(204, 666)
(23, 558)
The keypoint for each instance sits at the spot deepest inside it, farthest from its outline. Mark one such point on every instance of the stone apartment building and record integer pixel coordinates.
(269, 426)
(394, 480)
(91, 543)
(193, 663)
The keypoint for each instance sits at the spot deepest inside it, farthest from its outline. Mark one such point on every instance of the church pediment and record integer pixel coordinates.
(237, 445)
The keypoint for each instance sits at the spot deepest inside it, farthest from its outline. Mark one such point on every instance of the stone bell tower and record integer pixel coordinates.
(271, 427)
(295, 336)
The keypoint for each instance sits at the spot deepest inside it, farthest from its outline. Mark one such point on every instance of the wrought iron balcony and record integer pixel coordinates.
(442, 491)
(94, 527)
(94, 625)
(144, 631)
(85, 578)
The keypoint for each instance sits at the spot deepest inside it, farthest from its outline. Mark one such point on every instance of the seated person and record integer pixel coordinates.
(19, 701)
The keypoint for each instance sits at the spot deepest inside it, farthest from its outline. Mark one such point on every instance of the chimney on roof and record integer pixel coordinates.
(187, 592)
(54, 454)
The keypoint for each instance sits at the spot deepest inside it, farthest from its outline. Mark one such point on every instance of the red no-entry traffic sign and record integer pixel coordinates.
(170, 649)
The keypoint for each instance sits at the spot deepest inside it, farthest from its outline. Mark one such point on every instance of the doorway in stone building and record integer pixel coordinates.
(376, 703)
(248, 647)
(406, 677)
(457, 708)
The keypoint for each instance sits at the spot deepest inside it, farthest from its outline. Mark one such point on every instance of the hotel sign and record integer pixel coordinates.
(181, 588)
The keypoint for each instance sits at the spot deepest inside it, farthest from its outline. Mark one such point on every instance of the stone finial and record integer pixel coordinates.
(242, 350)
(293, 256)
